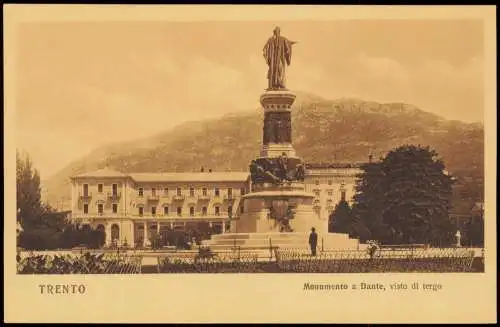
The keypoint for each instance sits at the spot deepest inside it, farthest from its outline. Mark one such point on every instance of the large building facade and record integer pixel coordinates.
(134, 208)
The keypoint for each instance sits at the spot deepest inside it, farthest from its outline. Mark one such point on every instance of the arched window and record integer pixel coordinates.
(115, 232)
(102, 236)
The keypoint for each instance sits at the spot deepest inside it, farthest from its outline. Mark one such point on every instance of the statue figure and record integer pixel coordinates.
(282, 165)
(300, 172)
(278, 55)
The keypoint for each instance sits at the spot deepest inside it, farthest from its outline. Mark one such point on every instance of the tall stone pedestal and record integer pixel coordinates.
(278, 201)
(278, 211)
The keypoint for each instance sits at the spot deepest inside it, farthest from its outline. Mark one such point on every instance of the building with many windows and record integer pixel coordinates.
(135, 207)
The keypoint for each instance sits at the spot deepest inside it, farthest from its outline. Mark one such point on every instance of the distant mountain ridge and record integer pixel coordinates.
(345, 130)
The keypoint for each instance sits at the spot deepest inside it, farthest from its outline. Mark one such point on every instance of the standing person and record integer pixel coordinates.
(313, 241)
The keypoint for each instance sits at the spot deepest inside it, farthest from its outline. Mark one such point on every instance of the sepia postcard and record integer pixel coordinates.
(282, 164)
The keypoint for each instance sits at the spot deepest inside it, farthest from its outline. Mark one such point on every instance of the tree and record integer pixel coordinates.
(42, 226)
(340, 220)
(28, 195)
(474, 232)
(406, 197)
(368, 203)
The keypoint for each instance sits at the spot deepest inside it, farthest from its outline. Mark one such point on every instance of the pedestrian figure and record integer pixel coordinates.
(313, 241)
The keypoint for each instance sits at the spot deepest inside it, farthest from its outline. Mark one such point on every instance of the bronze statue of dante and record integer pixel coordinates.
(278, 55)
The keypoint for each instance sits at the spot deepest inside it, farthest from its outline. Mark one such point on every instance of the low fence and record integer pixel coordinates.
(239, 261)
(88, 263)
(385, 260)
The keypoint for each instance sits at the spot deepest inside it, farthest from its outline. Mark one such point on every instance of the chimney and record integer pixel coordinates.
(210, 170)
(370, 158)
(202, 169)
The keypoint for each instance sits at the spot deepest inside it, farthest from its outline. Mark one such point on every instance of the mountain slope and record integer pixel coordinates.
(323, 131)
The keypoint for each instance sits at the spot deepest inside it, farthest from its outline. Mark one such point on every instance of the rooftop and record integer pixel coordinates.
(210, 176)
(333, 165)
(105, 172)
(171, 176)
(191, 177)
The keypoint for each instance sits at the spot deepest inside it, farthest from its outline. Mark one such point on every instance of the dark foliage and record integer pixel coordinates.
(405, 198)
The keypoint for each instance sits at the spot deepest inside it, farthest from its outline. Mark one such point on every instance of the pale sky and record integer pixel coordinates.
(82, 85)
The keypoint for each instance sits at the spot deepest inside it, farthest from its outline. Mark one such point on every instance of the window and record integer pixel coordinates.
(204, 191)
(179, 191)
(342, 195)
(99, 188)
(242, 209)
(115, 189)
(242, 191)
(330, 193)
(153, 211)
(141, 211)
(317, 182)
(85, 208)
(330, 182)
(316, 193)
(165, 191)
(217, 192)
(100, 208)
(217, 211)
(230, 211)
(179, 211)
(191, 191)
(191, 211)
(85, 190)
(230, 192)
(115, 208)
(141, 191)
(153, 191)
(204, 211)
(165, 211)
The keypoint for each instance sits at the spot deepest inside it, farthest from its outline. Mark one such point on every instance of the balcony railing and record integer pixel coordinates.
(100, 195)
(228, 197)
(204, 197)
(179, 197)
(114, 196)
(86, 196)
(153, 197)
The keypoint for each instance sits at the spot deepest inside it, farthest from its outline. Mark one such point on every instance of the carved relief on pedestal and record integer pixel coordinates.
(277, 127)
(282, 211)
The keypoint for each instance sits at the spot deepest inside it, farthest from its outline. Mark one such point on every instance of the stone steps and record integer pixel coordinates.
(252, 241)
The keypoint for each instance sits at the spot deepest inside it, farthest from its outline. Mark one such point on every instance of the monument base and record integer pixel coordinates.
(287, 201)
(263, 241)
